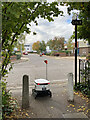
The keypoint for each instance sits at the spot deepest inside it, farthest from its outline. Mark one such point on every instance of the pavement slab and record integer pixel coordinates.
(55, 107)
(75, 115)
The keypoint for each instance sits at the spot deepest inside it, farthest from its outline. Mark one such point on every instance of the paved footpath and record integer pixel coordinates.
(55, 107)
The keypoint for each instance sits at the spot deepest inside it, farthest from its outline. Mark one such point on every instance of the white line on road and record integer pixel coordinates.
(59, 80)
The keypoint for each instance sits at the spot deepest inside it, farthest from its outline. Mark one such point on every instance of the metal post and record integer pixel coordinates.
(76, 22)
(46, 71)
(21, 49)
(79, 71)
(89, 74)
(85, 72)
(75, 55)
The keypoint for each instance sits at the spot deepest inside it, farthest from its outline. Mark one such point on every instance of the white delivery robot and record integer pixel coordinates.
(42, 87)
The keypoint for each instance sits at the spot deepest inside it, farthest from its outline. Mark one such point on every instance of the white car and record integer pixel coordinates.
(42, 87)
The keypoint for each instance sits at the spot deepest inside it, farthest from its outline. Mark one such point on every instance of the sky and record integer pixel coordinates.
(60, 27)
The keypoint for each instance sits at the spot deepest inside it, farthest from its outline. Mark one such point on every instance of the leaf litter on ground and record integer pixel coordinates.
(80, 108)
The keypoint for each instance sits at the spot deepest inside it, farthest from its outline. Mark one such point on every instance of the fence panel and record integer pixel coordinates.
(84, 71)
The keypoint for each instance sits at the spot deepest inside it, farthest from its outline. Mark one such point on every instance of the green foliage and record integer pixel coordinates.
(67, 52)
(42, 46)
(82, 87)
(48, 54)
(35, 46)
(18, 56)
(57, 43)
(84, 15)
(61, 51)
(53, 52)
(8, 104)
(20, 41)
(69, 44)
(88, 56)
(39, 46)
(15, 18)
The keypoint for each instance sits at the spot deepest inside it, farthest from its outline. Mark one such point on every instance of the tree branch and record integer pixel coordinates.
(9, 52)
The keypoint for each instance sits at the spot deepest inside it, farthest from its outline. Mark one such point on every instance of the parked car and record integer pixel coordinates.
(44, 53)
(25, 53)
(40, 54)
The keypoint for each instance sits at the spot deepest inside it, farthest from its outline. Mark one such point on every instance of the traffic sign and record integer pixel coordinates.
(46, 61)
(76, 22)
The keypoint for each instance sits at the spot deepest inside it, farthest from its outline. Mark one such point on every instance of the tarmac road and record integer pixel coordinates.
(57, 69)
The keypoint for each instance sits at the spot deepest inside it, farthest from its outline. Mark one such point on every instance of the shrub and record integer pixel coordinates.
(83, 87)
(8, 103)
(61, 51)
(18, 56)
(88, 56)
(48, 54)
(53, 52)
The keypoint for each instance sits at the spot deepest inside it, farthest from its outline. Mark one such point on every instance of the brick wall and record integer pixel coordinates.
(84, 51)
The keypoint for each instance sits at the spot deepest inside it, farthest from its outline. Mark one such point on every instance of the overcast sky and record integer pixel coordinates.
(61, 27)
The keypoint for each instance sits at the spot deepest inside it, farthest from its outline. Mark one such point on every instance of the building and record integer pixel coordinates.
(28, 48)
(48, 49)
(84, 48)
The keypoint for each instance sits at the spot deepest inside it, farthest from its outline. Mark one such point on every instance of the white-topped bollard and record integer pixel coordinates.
(70, 87)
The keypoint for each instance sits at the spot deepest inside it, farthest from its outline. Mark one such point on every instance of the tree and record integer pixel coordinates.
(50, 44)
(84, 15)
(69, 44)
(57, 43)
(15, 18)
(35, 46)
(42, 46)
(20, 42)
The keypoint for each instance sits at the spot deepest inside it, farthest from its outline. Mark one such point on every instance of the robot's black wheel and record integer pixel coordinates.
(35, 95)
(33, 90)
(50, 94)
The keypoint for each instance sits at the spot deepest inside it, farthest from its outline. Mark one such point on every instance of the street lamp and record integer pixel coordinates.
(76, 22)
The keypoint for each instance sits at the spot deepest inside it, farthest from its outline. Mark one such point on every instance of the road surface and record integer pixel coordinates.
(57, 69)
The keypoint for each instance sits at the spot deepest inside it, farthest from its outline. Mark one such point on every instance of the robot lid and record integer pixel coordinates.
(41, 81)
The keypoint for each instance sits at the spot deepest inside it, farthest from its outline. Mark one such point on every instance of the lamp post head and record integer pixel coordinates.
(75, 21)
(74, 17)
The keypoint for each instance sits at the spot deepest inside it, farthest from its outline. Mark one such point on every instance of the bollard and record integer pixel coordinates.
(25, 92)
(70, 87)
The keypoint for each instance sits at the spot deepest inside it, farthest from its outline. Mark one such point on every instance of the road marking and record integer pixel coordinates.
(59, 80)
(31, 86)
(19, 87)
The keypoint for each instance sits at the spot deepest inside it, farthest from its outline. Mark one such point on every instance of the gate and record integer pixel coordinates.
(84, 72)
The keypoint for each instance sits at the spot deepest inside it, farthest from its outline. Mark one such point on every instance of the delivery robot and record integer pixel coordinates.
(41, 88)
